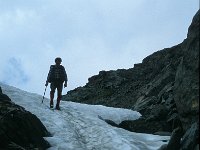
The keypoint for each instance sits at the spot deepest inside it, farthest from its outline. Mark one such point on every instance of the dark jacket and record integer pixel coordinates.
(57, 73)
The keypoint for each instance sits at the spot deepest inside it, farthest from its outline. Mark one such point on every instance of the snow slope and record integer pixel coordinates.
(78, 127)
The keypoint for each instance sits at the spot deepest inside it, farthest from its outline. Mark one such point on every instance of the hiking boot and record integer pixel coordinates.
(57, 107)
(51, 104)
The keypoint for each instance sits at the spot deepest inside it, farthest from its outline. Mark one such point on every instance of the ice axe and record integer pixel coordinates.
(44, 93)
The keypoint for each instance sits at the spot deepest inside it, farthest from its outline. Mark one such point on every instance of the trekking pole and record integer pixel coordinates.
(44, 93)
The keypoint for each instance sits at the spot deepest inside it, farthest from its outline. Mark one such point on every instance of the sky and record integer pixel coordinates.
(89, 36)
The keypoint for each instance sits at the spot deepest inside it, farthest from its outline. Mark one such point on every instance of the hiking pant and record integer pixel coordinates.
(59, 87)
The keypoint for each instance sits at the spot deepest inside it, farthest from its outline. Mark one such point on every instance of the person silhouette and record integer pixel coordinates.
(56, 76)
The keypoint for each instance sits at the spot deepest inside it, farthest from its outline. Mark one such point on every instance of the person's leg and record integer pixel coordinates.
(59, 94)
(52, 94)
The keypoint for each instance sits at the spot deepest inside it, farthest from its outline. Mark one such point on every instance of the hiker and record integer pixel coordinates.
(56, 76)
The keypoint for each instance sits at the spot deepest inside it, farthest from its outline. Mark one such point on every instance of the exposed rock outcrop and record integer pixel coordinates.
(191, 137)
(164, 88)
(186, 86)
(19, 129)
(175, 140)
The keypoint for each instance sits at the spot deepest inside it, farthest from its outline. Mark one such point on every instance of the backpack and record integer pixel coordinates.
(56, 74)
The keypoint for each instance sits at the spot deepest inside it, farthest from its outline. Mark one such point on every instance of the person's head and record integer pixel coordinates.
(58, 61)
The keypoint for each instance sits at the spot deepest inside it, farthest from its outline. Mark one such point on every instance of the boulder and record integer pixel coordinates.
(191, 138)
(141, 125)
(174, 142)
(20, 129)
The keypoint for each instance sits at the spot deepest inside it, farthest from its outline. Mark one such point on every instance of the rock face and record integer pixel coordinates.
(191, 137)
(164, 88)
(19, 129)
(186, 87)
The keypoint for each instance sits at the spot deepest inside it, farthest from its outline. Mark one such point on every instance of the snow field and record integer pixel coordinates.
(78, 127)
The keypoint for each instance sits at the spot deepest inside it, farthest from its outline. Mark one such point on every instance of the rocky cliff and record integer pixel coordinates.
(164, 88)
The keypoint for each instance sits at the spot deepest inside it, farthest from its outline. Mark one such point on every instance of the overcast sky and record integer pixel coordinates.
(89, 36)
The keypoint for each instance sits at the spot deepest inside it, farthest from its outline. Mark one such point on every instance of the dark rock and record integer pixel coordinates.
(14, 146)
(191, 138)
(162, 133)
(4, 97)
(19, 129)
(174, 142)
(142, 126)
(176, 123)
(158, 112)
(193, 30)
(144, 103)
(197, 147)
(164, 88)
(110, 122)
(186, 86)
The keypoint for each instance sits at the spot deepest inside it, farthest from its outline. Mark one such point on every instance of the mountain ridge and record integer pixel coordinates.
(164, 88)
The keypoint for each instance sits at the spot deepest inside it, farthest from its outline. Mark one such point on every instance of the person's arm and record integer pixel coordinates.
(65, 77)
(49, 75)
